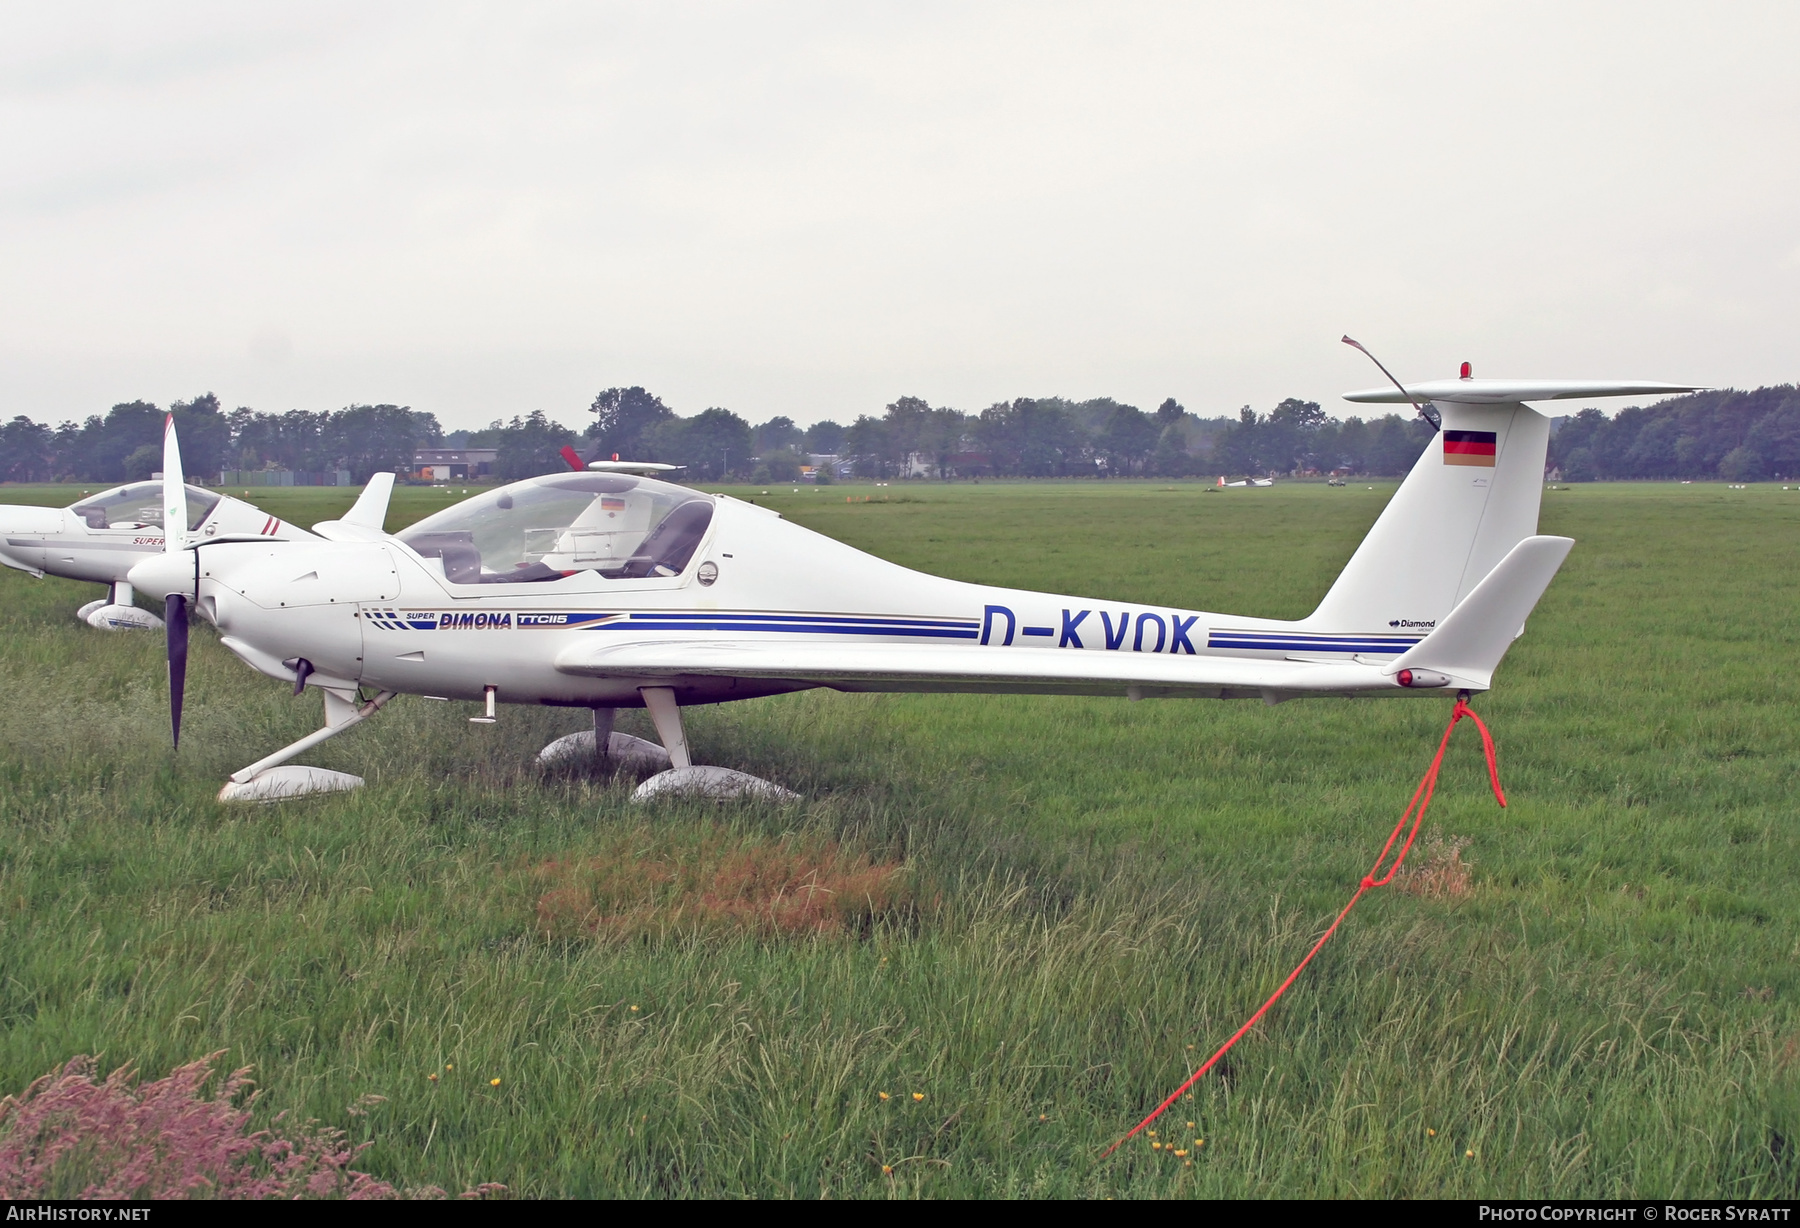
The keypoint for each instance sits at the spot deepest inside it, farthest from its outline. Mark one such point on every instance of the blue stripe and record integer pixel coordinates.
(1040, 631)
(1319, 640)
(732, 623)
(836, 618)
(1221, 641)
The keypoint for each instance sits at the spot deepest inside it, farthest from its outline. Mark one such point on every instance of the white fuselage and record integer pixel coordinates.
(59, 541)
(378, 614)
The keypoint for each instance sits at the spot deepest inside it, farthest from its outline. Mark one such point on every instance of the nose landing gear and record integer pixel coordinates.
(273, 779)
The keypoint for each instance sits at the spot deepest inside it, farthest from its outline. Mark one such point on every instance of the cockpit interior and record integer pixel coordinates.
(559, 525)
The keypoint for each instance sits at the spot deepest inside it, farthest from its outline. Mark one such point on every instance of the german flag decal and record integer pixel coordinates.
(1469, 448)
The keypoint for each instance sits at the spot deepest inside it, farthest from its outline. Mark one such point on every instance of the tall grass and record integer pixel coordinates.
(1095, 893)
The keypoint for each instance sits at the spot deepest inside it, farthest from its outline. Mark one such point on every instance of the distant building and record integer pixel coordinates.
(831, 463)
(454, 464)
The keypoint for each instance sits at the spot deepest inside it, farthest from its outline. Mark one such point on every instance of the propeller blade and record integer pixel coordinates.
(175, 618)
(175, 514)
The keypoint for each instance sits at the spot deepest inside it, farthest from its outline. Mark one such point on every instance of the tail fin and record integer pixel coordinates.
(1468, 501)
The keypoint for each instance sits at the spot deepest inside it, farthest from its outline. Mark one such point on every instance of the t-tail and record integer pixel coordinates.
(1469, 500)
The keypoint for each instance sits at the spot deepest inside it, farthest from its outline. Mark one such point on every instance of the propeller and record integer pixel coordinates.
(175, 613)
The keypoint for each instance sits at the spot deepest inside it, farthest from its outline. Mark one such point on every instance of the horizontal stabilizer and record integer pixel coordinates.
(1469, 643)
(642, 469)
(1510, 391)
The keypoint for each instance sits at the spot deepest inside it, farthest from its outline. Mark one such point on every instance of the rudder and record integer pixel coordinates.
(1470, 498)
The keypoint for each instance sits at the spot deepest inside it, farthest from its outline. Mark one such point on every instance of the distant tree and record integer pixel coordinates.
(626, 420)
(27, 451)
(205, 434)
(375, 438)
(870, 442)
(779, 465)
(1130, 437)
(1170, 412)
(1239, 448)
(825, 438)
(106, 442)
(778, 432)
(1775, 440)
(1290, 434)
(526, 447)
(1032, 438)
(942, 435)
(1171, 459)
(908, 423)
(712, 444)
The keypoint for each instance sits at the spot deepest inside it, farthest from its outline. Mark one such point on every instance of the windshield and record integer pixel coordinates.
(139, 506)
(554, 526)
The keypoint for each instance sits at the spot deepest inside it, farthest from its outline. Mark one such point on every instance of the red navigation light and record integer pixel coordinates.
(1467, 372)
(616, 455)
(1404, 677)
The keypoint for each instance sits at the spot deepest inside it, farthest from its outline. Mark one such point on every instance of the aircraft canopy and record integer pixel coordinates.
(139, 506)
(549, 527)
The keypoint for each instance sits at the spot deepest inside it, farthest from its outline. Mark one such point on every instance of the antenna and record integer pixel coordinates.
(1426, 410)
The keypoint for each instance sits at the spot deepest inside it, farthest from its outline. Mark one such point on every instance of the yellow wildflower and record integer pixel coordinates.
(493, 1083)
(432, 1076)
(1156, 1146)
(918, 1095)
(1468, 1155)
(1430, 1133)
(887, 1170)
(634, 1008)
(883, 1095)
(1180, 1153)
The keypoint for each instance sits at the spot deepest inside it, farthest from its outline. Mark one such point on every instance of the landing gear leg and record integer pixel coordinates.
(266, 781)
(667, 715)
(605, 748)
(117, 611)
(603, 732)
(717, 783)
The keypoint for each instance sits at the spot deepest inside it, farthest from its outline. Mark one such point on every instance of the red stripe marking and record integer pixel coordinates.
(1466, 448)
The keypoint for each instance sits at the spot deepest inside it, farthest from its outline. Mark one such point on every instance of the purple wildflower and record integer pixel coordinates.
(70, 1136)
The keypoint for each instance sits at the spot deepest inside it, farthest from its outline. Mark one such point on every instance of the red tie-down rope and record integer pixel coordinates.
(1415, 810)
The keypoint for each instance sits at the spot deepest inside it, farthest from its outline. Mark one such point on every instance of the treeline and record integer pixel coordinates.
(1737, 436)
(126, 444)
(1026, 437)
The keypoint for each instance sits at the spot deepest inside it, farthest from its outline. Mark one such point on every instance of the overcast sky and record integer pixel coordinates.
(812, 209)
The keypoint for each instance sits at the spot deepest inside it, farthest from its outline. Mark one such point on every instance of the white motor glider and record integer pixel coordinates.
(105, 535)
(604, 591)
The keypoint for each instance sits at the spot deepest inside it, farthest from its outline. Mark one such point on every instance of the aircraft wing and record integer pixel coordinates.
(910, 667)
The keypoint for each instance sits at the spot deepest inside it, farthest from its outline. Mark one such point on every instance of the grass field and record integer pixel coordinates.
(1073, 898)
